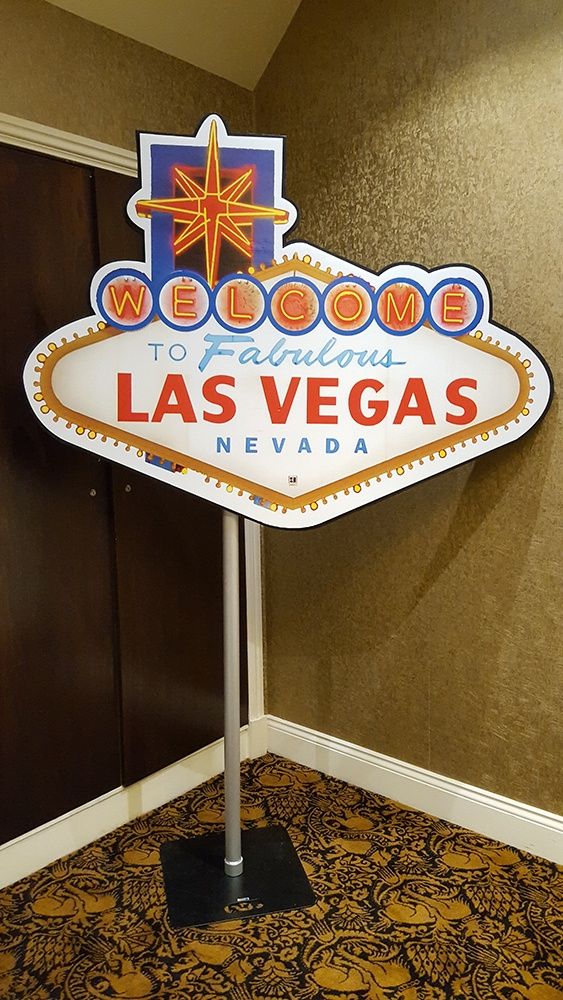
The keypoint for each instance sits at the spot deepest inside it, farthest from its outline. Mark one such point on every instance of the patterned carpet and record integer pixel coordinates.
(408, 907)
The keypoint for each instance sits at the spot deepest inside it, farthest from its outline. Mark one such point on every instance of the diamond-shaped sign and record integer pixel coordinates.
(280, 382)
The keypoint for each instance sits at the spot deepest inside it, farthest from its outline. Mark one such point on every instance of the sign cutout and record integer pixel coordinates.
(281, 382)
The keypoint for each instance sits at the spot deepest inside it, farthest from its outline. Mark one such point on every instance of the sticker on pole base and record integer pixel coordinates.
(198, 892)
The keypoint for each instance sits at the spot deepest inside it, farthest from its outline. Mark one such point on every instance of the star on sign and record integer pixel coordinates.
(212, 213)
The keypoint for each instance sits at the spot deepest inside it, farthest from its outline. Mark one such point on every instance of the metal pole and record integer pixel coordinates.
(231, 680)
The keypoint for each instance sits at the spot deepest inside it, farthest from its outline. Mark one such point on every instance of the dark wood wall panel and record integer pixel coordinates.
(59, 742)
(169, 575)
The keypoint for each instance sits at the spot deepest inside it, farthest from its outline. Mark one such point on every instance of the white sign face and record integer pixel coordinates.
(290, 390)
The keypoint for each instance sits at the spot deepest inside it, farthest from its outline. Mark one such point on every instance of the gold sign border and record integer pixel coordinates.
(48, 401)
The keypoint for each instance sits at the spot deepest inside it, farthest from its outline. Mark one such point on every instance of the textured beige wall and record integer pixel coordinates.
(429, 626)
(62, 71)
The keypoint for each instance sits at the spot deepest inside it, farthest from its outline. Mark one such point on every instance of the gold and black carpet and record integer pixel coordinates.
(408, 907)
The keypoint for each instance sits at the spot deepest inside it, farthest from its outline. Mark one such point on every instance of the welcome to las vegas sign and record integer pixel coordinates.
(281, 382)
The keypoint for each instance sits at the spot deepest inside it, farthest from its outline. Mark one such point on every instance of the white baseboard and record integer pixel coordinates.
(514, 823)
(257, 737)
(33, 850)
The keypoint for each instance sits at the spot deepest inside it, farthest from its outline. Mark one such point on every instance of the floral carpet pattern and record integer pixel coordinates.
(408, 908)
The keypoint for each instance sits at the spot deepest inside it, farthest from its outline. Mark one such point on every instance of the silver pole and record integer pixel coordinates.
(231, 680)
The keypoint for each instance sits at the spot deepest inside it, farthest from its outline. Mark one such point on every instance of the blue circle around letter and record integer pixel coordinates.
(202, 283)
(478, 302)
(121, 272)
(286, 281)
(347, 281)
(239, 277)
(399, 281)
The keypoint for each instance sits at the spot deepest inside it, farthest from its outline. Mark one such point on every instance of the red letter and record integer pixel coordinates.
(416, 389)
(448, 308)
(279, 411)
(285, 311)
(233, 313)
(210, 393)
(400, 307)
(127, 298)
(348, 293)
(294, 305)
(315, 401)
(174, 385)
(468, 406)
(409, 304)
(124, 404)
(178, 300)
(378, 407)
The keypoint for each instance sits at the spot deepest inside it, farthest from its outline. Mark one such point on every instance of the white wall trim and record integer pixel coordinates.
(514, 823)
(77, 148)
(53, 840)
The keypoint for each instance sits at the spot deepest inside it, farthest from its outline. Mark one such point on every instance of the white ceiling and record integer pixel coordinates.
(233, 38)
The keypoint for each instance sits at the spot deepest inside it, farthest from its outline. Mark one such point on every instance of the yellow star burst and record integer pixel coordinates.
(212, 213)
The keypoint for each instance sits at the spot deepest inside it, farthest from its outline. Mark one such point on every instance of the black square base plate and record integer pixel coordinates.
(198, 891)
